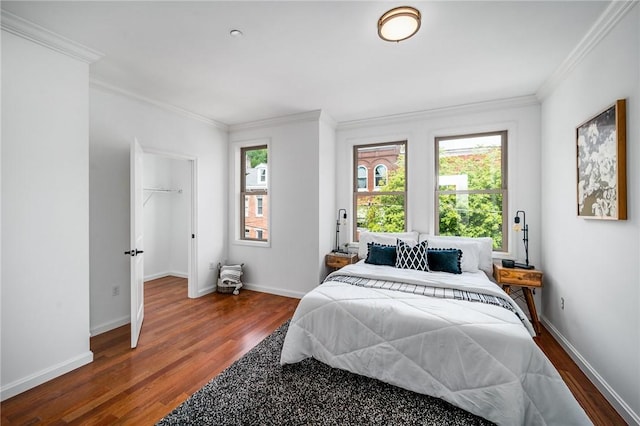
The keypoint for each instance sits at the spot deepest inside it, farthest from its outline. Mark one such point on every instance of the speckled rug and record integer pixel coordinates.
(257, 390)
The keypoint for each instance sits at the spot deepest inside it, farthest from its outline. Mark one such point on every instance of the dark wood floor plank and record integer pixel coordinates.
(184, 344)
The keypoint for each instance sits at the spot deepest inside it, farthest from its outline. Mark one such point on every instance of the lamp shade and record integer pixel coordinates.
(399, 23)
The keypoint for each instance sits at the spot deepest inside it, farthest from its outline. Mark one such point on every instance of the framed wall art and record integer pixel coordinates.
(602, 164)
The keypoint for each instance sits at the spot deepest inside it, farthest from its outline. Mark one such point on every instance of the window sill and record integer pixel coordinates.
(264, 244)
(500, 255)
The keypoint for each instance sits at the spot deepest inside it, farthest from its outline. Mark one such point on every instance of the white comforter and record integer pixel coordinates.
(476, 356)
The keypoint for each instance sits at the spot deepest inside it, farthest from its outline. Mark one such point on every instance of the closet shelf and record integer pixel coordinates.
(152, 191)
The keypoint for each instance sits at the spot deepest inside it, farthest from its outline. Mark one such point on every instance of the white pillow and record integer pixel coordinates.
(486, 249)
(386, 238)
(470, 247)
(424, 237)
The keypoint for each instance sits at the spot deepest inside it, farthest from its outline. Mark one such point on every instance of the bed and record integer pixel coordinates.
(458, 337)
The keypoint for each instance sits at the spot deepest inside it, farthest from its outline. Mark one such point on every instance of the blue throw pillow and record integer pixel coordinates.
(445, 260)
(379, 254)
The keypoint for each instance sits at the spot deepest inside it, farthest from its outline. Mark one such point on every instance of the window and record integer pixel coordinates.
(259, 206)
(380, 176)
(471, 186)
(254, 191)
(382, 208)
(363, 179)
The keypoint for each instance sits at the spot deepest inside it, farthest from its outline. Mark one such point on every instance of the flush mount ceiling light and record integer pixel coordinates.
(399, 23)
(235, 33)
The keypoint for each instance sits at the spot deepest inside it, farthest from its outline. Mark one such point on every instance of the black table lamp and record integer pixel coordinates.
(525, 238)
(342, 214)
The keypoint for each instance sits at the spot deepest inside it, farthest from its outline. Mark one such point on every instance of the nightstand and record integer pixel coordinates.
(338, 260)
(527, 279)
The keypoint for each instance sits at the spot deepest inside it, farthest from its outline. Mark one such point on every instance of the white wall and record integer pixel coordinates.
(521, 117)
(595, 264)
(115, 121)
(166, 217)
(327, 185)
(157, 217)
(45, 214)
(180, 218)
(289, 265)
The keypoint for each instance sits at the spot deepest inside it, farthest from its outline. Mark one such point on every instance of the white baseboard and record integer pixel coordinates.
(33, 380)
(261, 288)
(274, 290)
(111, 325)
(609, 393)
(166, 274)
(206, 290)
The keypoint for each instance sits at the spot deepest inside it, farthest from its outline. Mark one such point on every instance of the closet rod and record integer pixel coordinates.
(163, 190)
(154, 190)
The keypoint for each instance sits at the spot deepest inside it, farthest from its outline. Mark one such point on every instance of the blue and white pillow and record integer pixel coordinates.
(412, 257)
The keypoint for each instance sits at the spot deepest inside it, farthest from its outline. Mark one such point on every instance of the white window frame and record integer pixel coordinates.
(376, 187)
(366, 178)
(259, 206)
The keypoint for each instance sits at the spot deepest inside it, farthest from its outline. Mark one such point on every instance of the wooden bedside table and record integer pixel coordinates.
(338, 260)
(524, 278)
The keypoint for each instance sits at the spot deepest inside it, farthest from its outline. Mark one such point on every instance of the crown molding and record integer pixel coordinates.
(44, 37)
(598, 31)
(101, 85)
(328, 120)
(28, 30)
(470, 108)
(302, 117)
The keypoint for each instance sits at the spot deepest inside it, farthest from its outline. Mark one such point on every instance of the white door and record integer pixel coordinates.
(137, 243)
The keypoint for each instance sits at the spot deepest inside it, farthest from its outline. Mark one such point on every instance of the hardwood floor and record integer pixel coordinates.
(594, 404)
(184, 343)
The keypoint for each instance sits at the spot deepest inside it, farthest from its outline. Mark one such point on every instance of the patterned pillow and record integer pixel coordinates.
(412, 257)
(380, 254)
(444, 260)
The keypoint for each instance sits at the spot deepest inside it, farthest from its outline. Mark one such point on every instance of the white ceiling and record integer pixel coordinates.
(302, 55)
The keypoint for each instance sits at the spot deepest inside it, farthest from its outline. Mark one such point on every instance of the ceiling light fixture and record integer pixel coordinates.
(235, 33)
(399, 23)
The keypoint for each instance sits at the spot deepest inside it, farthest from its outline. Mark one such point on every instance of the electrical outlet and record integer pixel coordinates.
(212, 265)
(116, 290)
(562, 303)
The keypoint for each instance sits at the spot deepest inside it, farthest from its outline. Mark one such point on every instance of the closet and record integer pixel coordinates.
(167, 197)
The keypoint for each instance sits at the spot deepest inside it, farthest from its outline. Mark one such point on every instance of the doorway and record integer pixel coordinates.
(169, 217)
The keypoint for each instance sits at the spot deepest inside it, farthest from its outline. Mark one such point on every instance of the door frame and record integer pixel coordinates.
(192, 252)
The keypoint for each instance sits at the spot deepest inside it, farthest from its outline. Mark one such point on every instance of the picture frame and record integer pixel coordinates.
(602, 165)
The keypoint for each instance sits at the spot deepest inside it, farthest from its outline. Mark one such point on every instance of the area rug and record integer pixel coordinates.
(257, 390)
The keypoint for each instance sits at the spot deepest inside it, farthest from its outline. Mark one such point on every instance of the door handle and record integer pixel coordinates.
(133, 252)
